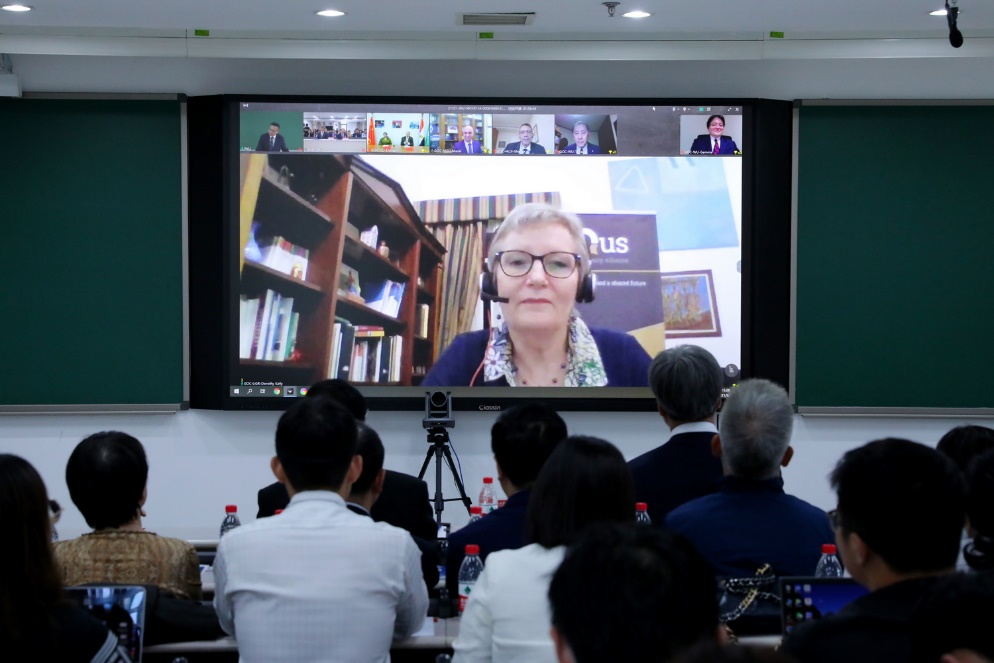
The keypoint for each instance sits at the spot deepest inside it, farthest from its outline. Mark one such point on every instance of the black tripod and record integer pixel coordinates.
(438, 438)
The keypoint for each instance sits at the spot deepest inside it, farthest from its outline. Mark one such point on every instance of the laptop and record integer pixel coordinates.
(804, 599)
(121, 607)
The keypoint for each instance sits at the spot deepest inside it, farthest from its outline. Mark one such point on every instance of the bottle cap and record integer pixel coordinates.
(641, 506)
(475, 510)
(488, 479)
(828, 549)
(472, 549)
(231, 508)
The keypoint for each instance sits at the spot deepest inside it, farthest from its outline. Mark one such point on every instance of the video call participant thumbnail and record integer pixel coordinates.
(538, 268)
(714, 141)
(581, 144)
(272, 141)
(468, 144)
(524, 144)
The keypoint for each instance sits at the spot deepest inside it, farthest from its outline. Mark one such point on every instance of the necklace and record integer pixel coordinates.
(524, 383)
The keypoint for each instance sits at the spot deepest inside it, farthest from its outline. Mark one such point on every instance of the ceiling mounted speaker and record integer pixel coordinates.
(497, 18)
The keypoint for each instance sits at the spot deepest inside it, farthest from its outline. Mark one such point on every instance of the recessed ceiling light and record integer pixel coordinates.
(330, 13)
(637, 14)
(938, 12)
(16, 8)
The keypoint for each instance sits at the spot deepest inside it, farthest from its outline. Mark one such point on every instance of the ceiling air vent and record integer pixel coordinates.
(497, 18)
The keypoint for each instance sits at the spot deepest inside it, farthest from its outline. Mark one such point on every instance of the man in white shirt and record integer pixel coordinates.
(318, 582)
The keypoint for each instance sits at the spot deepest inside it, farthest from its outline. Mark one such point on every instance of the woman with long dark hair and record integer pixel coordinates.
(36, 621)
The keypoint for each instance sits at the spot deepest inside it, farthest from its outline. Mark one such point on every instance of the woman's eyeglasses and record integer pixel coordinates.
(558, 264)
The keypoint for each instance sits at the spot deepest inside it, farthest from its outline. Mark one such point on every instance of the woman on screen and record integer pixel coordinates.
(36, 620)
(539, 266)
(107, 475)
(714, 141)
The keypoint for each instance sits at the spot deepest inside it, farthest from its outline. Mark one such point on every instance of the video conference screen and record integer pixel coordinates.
(362, 232)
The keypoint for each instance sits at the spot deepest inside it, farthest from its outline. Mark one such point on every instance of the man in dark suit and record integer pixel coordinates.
(714, 141)
(369, 486)
(407, 140)
(272, 141)
(581, 134)
(404, 500)
(468, 144)
(686, 381)
(522, 439)
(524, 144)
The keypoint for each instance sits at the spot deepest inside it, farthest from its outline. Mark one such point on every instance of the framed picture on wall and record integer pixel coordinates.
(689, 305)
(397, 124)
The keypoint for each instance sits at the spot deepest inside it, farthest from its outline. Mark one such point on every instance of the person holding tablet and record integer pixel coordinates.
(539, 266)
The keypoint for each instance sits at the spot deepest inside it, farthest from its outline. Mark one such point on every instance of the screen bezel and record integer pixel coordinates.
(214, 140)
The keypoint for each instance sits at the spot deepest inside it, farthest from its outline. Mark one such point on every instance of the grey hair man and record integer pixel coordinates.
(751, 521)
(687, 382)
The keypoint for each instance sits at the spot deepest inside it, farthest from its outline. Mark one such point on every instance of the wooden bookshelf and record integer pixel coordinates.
(311, 200)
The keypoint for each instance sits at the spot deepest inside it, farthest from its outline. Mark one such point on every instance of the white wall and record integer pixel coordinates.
(201, 460)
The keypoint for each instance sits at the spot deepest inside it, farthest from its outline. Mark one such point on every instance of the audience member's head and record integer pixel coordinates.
(964, 443)
(686, 381)
(370, 448)
(522, 439)
(710, 651)
(627, 593)
(343, 393)
(585, 480)
(316, 447)
(952, 625)
(979, 554)
(901, 507)
(756, 423)
(29, 579)
(107, 473)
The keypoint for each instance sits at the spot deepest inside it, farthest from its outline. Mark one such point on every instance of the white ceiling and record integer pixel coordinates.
(555, 19)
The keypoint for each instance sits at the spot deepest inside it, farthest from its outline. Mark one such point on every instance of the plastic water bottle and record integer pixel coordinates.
(642, 514)
(230, 521)
(829, 565)
(475, 513)
(469, 572)
(488, 497)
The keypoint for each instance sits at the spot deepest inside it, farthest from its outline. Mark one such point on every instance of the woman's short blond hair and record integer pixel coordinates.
(532, 215)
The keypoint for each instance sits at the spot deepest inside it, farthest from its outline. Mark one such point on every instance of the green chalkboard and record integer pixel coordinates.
(91, 260)
(895, 282)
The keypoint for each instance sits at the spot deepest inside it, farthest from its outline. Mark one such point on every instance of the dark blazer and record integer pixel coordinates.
(625, 361)
(675, 473)
(702, 145)
(428, 548)
(571, 149)
(874, 627)
(461, 147)
(278, 146)
(503, 529)
(407, 140)
(403, 503)
(535, 148)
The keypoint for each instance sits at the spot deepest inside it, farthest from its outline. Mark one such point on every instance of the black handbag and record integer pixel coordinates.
(751, 606)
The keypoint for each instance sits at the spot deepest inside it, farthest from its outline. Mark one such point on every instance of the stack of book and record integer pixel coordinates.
(267, 327)
(421, 316)
(284, 256)
(385, 297)
(364, 353)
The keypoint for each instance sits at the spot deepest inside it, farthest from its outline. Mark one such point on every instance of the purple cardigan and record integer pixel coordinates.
(625, 361)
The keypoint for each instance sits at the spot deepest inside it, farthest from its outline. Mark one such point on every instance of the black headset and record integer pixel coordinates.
(584, 293)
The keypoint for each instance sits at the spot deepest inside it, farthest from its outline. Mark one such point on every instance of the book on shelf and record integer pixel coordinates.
(367, 331)
(421, 317)
(267, 327)
(284, 256)
(345, 352)
(386, 297)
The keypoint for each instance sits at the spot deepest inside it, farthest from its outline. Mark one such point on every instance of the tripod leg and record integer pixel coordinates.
(424, 465)
(455, 477)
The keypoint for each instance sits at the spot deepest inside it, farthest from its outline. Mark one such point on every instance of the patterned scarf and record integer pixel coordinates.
(584, 367)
